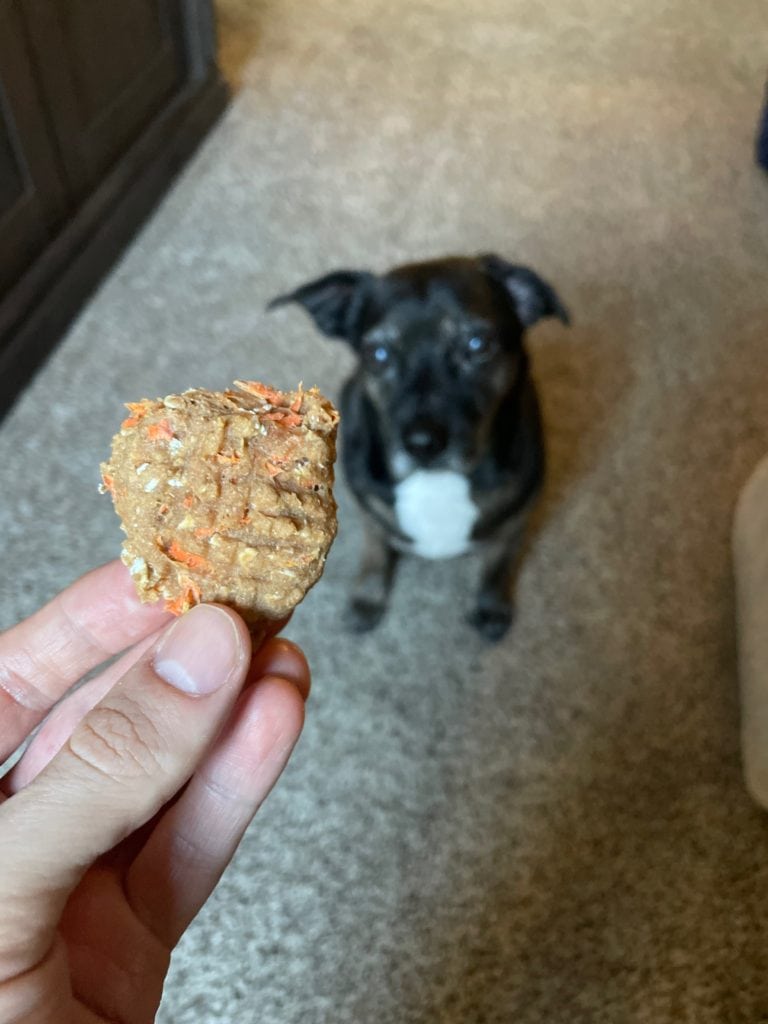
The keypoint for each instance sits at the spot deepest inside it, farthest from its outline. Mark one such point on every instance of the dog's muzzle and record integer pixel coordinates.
(424, 439)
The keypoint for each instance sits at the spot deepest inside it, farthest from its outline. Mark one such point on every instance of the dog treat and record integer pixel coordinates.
(226, 496)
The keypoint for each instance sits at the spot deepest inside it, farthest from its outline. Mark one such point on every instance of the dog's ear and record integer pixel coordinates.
(335, 302)
(531, 296)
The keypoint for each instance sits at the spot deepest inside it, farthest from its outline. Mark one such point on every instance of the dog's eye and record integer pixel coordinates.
(478, 346)
(376, 355)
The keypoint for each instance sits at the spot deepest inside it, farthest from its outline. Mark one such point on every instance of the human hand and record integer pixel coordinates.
(131, 799)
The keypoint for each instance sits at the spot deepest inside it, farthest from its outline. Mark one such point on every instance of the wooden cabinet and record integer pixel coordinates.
(101, 101)
(31, 192)
(117, 63)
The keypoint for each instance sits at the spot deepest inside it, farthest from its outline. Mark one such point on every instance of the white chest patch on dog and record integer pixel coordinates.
(435, 509)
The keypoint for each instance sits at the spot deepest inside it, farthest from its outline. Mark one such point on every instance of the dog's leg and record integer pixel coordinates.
(374, 582)
(494, 611)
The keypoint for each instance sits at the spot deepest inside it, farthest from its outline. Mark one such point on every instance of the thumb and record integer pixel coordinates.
(128, 757)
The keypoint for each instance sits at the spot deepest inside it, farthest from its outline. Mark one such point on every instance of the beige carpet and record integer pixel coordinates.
(553, 830)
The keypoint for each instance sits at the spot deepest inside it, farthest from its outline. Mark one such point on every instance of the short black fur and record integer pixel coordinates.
(442, 386)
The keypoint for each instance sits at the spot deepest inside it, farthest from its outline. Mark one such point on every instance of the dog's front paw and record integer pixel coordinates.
(364, 614)
(492, 620)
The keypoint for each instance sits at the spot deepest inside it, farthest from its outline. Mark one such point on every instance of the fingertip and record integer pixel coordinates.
(268, 721)
(276, 626)
(243, 633)
(283, 658)
(244, 640)
(205, 649)
(283, 702)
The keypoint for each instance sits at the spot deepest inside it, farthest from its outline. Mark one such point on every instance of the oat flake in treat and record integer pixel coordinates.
(226, 496)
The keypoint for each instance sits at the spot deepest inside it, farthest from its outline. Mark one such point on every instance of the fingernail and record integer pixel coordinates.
(200, 652)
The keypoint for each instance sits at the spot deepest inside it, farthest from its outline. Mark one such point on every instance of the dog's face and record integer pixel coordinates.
(440, 345)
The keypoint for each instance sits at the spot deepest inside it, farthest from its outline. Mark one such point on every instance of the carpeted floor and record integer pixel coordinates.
(552, 830)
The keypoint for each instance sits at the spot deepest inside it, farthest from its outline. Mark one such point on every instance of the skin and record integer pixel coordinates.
(119, 819)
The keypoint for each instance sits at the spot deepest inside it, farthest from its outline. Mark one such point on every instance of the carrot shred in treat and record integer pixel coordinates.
(164, 510)
(109, 482)
(295, 405)
(272, 469)
(176, 607)
(204, 531)
(230, 458)
(255, 387)
(178, 554)
(138, 411)
(186, 600)
(162, 431)
(189, 501)
(285, 419)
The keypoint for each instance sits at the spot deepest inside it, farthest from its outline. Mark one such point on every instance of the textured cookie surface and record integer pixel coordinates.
(226, 496)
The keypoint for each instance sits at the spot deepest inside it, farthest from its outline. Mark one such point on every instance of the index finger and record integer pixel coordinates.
(40, 658)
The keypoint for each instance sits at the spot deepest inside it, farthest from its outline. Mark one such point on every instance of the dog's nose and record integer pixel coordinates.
(425, 438)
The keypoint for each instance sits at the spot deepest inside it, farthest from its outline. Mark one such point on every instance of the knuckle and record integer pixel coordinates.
(117, 741)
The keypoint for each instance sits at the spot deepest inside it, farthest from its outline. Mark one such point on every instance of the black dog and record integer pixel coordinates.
(442, 440)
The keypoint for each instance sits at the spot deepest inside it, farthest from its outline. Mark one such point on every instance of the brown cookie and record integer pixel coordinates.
(226, 496)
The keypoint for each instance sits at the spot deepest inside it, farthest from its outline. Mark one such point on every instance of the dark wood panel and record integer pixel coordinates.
(30, 190)
(13, 183)
(36, 312)
(110, 44)
(117, 63)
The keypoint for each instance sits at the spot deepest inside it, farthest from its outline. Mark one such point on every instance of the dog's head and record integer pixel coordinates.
(440, 346)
